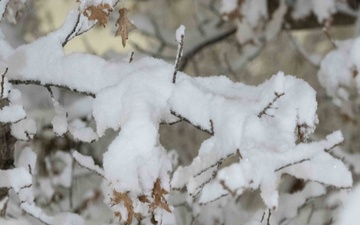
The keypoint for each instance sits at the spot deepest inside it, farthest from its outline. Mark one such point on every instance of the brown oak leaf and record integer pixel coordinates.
(100, 13)
(125, 26)
(158, 194)
(124, 198)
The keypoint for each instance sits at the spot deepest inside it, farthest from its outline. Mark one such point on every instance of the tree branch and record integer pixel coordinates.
(35, 82)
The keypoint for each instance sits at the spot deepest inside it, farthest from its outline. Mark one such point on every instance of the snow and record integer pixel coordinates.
(290, 203)
(276, 23)
(254, 11)
(24, 129)
(338, 70)
(59, 122)
(301, 9)
(68, 219)
(228, 6)
(87, 162)
(36, 212)
(79, 131)
(180, 33)
(16, 178)
(27, 159)
(350, 211)
(323, 9)
(65, 177)
(12, 113)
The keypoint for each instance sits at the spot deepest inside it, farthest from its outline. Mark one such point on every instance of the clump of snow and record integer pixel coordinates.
(68, 219)
(24, 129)
(339, 70)
(59, 122)
(228, 6)
(64, 178)
(87, 162)
(27, 159)
(80, 131)
(16, 178)
(180, 33)
(290, 203)
(254, 11)
(323, 9)
(350, 211)
(12, 113)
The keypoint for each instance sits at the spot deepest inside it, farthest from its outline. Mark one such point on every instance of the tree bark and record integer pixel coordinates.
(7, 143)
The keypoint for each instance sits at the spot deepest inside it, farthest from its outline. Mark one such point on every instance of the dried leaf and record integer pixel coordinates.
(100, 13)
(118, 198)
(125, 26)
(143, 199)
(158, 194)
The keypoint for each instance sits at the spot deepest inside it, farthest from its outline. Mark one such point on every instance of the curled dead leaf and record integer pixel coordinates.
(125, 26)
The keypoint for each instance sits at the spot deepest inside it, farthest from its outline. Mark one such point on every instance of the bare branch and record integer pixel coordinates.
(178, 57)
(186, 120)
(189, 55)
(36, 82)
(277, 96)
(291, 164)
(2, 83)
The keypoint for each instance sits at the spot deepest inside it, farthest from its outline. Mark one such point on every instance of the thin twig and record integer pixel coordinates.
(131, 57)
(291, 164)
(73, 32)
(268, 219)
(2, 82)
(326, 32)
(35, 82)
(277, 96)
(178, 57)
(186, 120)
(190, 54)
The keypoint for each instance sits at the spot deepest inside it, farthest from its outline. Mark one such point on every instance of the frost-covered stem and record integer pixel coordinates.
(73, 32)
(178, 57)
(269, 216)
(2, 83)
(33, 211)
(7, 142)
(263, 112)
(326, 32)
(186, 120)
(36, 82)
